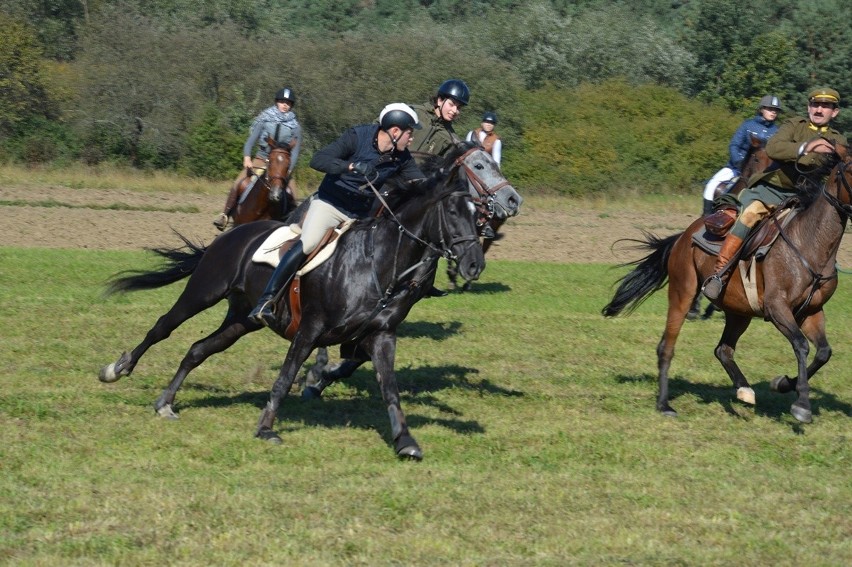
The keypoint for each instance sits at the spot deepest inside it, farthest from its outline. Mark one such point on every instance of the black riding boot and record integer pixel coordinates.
(264, 312)
(708, 207)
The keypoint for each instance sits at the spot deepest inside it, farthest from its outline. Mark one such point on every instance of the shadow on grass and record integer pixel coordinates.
(770, 404)
(428, 330)
(365, 408)
(490, 287)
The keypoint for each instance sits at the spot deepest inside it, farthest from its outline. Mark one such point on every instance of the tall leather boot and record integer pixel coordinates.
(222, 219)
(708, 207)
(264, 312)
(714, 284)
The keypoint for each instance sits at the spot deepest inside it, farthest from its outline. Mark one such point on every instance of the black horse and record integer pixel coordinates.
(356, 299)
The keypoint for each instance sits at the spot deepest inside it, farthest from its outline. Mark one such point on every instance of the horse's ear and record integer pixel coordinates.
(271, 142)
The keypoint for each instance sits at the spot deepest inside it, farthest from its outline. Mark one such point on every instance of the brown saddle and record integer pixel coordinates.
(293, 295)
(759, 240)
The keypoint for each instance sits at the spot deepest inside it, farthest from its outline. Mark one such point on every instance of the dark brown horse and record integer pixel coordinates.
(270, 197)
(356, 299)
(793, 281)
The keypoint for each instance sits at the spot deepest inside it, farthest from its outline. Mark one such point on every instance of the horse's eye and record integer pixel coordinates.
(479, 166)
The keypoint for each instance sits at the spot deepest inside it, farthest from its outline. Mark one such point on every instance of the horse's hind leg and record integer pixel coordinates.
(319, 377)
(735, 326)
(184, 308)
(235, 325)
(683, 285)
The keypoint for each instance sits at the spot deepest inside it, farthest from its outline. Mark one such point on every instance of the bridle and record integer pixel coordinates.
(484, 203)
(275, 196)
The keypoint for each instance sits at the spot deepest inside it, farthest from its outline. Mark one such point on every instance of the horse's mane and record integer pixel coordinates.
(438, 170)
(811, 184)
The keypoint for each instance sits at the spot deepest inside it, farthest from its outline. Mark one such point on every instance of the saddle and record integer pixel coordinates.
(282, 239)
(760, 238)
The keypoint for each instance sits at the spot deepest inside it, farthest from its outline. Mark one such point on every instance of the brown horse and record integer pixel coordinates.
(270, 197)
(793, 281)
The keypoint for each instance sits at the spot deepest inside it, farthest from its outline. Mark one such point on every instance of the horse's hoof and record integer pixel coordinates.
(407, 448)
(267, 434)
(666, 410)
(112, 372)
(108, 374)
(746, 395)
(780, 384)
(166, 412)
(692, 315)
(412, 453)
(801, 414)
(311, 393)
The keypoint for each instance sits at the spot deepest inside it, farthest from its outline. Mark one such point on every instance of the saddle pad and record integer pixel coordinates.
(268, 252)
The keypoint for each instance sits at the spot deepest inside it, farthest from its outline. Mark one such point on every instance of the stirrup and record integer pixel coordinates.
(221, 221)
(712, 287)
(264, 313)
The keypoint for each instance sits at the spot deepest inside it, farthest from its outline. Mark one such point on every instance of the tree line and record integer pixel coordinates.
(591, 95)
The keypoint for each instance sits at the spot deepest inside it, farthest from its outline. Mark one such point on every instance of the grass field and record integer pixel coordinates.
(535, 414)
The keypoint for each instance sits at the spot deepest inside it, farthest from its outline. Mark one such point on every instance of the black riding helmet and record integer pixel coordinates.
(489, 117)
(286, 94)
(400, 115)
(455, 89)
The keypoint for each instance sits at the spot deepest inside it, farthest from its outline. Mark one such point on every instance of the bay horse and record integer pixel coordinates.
(794, 281)
(270, 197)
(356, 299)
(756, 161)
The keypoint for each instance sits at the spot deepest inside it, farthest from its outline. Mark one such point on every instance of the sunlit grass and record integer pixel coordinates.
(536, 417)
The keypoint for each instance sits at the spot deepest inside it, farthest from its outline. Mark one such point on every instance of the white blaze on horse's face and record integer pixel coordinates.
(487, 183)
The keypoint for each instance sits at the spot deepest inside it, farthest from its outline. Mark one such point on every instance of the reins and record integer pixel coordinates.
(845, 211)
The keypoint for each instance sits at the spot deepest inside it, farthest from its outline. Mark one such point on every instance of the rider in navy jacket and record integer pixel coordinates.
(359, 161)
(762, 126)
(348, 190)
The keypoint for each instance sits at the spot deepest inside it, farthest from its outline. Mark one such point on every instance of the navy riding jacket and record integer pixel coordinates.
(349, 191)
(740, 143)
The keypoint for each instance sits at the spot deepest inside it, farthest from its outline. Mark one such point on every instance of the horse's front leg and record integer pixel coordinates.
(814, 329)
(382, 349)
(784, 322)
(298, 352)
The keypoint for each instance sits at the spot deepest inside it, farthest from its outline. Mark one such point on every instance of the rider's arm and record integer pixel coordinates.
(254, 136)
(739, 146)
(497, 150)
(294, 153)
(334, 158)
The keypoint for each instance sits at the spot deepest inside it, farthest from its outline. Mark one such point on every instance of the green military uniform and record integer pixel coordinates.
(436, 137)
(780, 179)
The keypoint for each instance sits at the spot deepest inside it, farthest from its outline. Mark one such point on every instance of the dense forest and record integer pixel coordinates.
(592, 95)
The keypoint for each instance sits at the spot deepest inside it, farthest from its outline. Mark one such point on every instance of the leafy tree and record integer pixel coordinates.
(22, 89)
(601, 138)
(213, 151)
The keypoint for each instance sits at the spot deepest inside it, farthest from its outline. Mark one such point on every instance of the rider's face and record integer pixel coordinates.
(403, 139)
(448, 109)
(769, 114)
(821, 113)
(283, 105)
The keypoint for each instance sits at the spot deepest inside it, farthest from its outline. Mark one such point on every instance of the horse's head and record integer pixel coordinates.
(439, 213)
(493, 195)
(277, 168)
(756, 159)
(456, 231)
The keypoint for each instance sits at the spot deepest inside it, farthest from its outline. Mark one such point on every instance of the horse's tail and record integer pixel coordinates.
(650, 274)
(180, 263)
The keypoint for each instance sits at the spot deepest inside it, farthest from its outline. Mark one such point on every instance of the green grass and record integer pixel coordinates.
(535, 414)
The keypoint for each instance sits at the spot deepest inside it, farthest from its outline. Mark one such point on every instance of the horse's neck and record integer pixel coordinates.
(818, 232)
